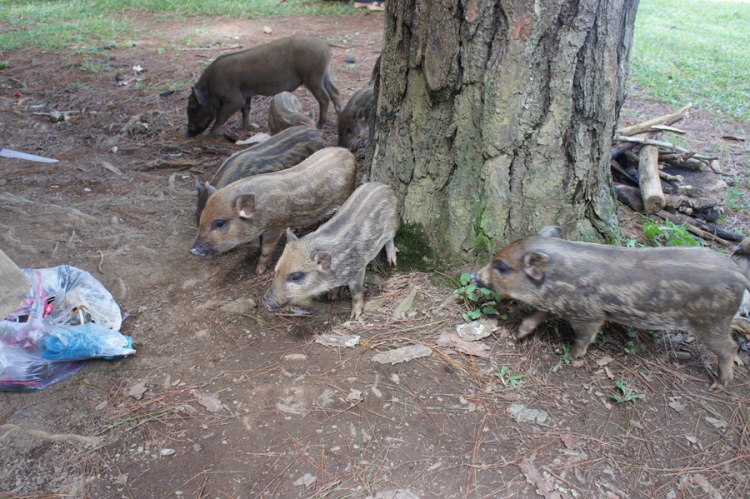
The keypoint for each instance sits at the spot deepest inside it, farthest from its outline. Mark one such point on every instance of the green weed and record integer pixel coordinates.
(478, 300)
(509, 379)
(626, 394)
(668, 234)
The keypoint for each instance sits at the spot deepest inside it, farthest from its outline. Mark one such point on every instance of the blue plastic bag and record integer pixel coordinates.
(66, 318)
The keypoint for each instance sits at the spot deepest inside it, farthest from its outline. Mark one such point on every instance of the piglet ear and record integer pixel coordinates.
(245, 205)
(290, 235)
(322, 260)
(534, 266)
(198, 95)
(211, 189)
(550, 231)
(360, 116)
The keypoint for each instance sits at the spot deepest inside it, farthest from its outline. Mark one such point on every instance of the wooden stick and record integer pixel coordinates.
(648, 173)
(661, 120)
(671, 178)
(228, 47)
(665, 128)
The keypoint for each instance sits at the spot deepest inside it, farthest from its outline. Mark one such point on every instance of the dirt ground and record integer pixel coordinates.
(249, 405)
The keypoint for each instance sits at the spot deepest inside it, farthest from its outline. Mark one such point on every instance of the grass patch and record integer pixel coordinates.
(694, 51)
(50, 24)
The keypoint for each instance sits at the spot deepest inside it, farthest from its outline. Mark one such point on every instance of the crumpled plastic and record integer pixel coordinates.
(66, 318)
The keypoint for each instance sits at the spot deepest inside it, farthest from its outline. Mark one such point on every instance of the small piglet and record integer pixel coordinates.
(692, 289)
(280, 152)
(338, 252)
(286, 110)
(265, 205)
(231, 81)
(354, 118)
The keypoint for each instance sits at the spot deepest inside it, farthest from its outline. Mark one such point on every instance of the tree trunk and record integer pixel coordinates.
(495, 118)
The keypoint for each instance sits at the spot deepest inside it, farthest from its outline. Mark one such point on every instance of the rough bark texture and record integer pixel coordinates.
(495, 118)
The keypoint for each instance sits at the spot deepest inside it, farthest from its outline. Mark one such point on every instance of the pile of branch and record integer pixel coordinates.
(662, 178)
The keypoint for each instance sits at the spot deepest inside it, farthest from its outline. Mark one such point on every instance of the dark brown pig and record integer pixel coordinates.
(264, 205)
(231, 81)
(354, 118)
(285, 111)
(280, 152)
(692, 289)
(338, 252)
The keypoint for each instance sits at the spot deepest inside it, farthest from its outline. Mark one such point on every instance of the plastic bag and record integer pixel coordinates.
(66, 318)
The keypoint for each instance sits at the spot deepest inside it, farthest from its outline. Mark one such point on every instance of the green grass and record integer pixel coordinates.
(694, 51)
(65, 24)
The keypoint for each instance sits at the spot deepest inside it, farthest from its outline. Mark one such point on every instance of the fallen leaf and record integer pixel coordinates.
(209, 400)
(307, 479)
(543, 486)
(719, 423)
(267, 30)
(569, 440)
(137, 390)
(578, 363)
(403, 354)
(400, 311)
(676, 406)
(451, 339)
(691, 439)
(604, 361)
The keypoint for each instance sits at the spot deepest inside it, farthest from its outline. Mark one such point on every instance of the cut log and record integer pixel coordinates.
(667, 119)
(14, 285)
(648, 173)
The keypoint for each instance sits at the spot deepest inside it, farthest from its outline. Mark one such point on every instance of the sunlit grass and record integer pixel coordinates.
(52, 24)
(694, 51)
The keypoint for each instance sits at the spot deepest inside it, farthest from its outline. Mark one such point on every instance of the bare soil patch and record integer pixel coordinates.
(298, 418)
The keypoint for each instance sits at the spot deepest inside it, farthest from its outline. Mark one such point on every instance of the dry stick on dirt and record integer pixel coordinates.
(667, 119)
(650, 183)
(228, 47)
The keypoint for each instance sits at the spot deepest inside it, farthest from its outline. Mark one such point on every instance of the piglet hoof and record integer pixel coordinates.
(524, 331)
(716, 386)
(260, 270)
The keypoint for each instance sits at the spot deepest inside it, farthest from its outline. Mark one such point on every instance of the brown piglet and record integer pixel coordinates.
(265, 205)
(285, 111)
(230, 82)
(338, 252)
(354, 117)
(692, 289)
(282, 151)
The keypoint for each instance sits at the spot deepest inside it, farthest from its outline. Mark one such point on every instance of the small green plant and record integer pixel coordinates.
(509, 379)
(160, 50)
(626, 394)
(478, 300)
(736, 199)
(4, 64)
(668, 234)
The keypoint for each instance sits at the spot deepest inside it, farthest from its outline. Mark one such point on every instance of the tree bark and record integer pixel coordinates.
(494, 119)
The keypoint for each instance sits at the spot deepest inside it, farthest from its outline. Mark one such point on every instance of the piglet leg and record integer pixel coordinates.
(268, 241)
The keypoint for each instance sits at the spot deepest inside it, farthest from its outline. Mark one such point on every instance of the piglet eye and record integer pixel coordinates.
(350, 129)
(501, 266)
(295, 277)
(219, 224)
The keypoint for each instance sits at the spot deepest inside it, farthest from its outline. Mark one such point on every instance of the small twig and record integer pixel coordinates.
(101, 260)
(228, 47)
